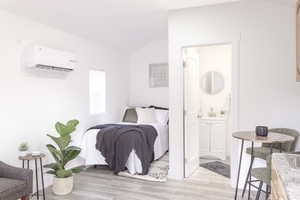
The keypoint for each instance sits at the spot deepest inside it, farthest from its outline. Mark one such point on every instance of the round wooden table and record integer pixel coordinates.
(29, 158)
(250, 136)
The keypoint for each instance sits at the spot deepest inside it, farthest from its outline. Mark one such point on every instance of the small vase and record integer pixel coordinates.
(62, 186)
(261, 131)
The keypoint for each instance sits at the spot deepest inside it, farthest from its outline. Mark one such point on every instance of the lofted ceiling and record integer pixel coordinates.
(123, 24)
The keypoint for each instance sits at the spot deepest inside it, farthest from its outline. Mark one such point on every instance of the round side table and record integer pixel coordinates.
(36, 158)
(250, 136)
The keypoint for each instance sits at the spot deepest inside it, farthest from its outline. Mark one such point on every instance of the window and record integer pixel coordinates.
(97, 92)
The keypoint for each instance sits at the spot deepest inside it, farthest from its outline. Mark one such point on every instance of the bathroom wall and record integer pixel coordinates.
(217, 58)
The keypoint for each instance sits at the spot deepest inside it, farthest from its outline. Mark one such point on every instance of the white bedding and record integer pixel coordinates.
(94, 157)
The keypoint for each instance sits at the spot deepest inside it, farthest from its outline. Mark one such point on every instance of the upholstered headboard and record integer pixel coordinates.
(159, 108)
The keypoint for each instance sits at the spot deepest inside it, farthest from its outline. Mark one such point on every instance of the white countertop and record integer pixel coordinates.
(289, 175)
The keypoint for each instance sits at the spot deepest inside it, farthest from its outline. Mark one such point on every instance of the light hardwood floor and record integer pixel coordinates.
(101, 184)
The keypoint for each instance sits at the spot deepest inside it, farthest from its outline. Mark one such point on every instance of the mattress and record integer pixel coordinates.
(92, 156)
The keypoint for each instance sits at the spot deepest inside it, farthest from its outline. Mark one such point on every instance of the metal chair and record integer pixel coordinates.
(263, 175)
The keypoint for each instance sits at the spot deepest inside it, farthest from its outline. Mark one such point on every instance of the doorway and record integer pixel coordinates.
(208, 107)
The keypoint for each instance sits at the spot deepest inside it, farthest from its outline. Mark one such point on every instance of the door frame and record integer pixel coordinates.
(235, 82)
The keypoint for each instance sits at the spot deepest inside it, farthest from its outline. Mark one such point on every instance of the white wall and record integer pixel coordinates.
(140, 92)
(217, 58)
(268, 92)
(31, 103)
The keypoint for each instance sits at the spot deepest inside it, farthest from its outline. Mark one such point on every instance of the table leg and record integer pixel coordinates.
(271, 151)
(37, 180)
(248, 175)
(247, 178)
(267, 192)
(280, 147)
(28, 164)
(259, 190)
(268, 188)
(250, 169)
(239, 170)
(23, 164)
(42, 175)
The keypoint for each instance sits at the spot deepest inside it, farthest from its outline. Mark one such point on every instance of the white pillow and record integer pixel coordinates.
(146, 115)
(162, 116)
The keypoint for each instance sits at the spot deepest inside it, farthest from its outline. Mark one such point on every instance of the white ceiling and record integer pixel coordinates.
(123, 24)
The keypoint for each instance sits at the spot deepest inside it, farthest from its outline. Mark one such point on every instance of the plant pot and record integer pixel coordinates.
(62, 186)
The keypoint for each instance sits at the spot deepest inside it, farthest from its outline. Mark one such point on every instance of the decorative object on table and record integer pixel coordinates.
(222, 113)
(212, 113)
(36, 153)
(63, 177)
(158, 75)
(23, 148)
(16, 183)
(261, 131)
(30, 157)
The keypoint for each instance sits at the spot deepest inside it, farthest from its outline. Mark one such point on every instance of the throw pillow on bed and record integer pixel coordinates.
(146, 115)
(162, 116)
(130, 115)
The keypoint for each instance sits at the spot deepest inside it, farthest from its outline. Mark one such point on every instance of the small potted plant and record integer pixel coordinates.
(23, 148)
(63, 154)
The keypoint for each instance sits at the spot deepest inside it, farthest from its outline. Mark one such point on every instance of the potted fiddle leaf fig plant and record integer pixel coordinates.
(63, 154)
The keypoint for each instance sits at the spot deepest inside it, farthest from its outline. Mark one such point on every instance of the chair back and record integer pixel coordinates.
(287, 146)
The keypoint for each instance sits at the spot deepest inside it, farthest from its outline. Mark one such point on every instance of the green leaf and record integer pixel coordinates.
(73, 123)
(62, 142)
(65, 130)
(54, 166)
(55, 153)
(70, 153)
(63, 173)
(51, 172)
(77, 169)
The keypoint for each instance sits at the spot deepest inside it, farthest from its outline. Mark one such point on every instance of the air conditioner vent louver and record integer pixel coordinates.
(47, 67)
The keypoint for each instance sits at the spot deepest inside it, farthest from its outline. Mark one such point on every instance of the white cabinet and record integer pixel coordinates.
(212, 138)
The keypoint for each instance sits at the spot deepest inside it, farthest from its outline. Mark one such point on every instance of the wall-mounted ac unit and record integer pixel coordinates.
(41, 57)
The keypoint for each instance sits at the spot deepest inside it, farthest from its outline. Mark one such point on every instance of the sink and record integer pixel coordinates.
(294, 161)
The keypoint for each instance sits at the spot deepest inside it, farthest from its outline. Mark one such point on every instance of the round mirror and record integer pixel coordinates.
(212, 82)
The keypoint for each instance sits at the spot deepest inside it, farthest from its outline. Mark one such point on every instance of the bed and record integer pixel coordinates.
(92, 156)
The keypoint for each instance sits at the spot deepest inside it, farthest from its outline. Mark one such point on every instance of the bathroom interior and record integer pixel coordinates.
(208, 86)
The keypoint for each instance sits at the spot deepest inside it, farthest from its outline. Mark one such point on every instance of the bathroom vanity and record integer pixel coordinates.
(212, 138)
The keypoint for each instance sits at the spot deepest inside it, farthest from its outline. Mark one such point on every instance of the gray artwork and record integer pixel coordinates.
(158, 75)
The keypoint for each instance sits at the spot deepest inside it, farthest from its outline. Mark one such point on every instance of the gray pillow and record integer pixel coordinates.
(130, 115)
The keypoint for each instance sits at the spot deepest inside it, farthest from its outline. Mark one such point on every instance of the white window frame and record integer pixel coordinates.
(97, 93)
